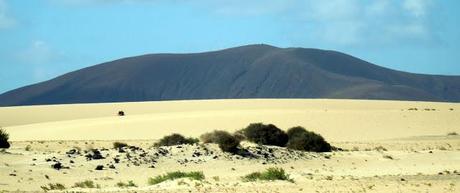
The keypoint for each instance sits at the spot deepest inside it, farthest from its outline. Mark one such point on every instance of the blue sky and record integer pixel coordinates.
(41, 39)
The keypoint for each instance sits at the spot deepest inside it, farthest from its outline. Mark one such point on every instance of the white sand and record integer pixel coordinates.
(336, 120)
(418, 155)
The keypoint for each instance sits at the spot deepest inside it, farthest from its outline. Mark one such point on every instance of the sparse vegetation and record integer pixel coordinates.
(265, 134)
(452, 133)
(51, 186)
(226, 141)
(270, 174)
(388, 157)
(28, 148)
(176, 175)
(4, 136)
(175, 139)
(118, 145)
(86, 184)
(126, 185)
(301, 139)
(380, 148)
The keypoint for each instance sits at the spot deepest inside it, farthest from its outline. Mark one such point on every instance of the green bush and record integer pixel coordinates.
(51, 186)
(295, 131)
(86, 184)
(226, 141)
(176, 175)
(175, 139)
(265, 134)
(126, 185)
(301, 139)
(270, 174)
(118, 145)
(4, 139)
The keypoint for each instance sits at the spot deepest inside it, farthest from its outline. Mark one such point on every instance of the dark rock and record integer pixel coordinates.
(72, 152)
(196, 154)
(99, 167)
(57, 166)
(95, 154)
(121, 113)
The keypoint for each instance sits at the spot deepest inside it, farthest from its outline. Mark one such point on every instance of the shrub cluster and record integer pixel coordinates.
(270, 174)
(126, 185)
(86, 184)
(297, 138)
(4, 139)
(175, 139)
(176, 175)
(265, 134)
(51, 186)
(226, 141)
(301, 139)
(118, 145)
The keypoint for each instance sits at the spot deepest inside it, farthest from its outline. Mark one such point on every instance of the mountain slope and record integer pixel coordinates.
(254, 71)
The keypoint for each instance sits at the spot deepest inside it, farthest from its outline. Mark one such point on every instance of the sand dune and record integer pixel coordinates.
(337, 120)
(389, 146)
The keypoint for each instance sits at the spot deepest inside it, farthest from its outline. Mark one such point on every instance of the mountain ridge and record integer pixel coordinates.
(251, 71)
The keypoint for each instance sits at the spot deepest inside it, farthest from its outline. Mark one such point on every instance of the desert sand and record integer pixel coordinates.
(388, 146)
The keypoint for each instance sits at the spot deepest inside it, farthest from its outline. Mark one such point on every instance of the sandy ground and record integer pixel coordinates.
(337, 120)
(388, 148)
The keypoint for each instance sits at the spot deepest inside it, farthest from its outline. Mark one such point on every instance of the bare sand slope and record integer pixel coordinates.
(336, 120)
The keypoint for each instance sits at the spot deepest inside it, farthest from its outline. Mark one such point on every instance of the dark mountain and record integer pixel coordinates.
(254, 71)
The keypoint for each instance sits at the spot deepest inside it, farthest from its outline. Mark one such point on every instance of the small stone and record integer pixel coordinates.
(99, 167)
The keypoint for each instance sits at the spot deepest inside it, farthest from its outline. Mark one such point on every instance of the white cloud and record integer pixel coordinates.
(333, 9)
(38, 52)
(95, 2)
(377, 7)
(340, 22)
(354, 22)
(417, 8)
(5, 20)
(38, 56)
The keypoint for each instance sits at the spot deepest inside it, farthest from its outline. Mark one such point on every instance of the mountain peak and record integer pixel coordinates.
(251, 71)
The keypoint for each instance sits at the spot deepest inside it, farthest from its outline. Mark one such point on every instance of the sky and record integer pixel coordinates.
(42, 39)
